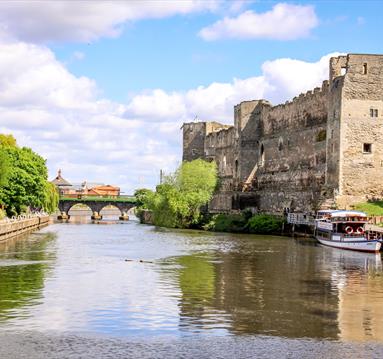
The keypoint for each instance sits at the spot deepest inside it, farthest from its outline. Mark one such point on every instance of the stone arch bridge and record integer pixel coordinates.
(96, 205)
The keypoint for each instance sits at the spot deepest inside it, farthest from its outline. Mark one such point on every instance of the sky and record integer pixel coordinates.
(101, 88)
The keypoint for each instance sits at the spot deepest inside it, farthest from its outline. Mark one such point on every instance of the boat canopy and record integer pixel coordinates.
(341, 213)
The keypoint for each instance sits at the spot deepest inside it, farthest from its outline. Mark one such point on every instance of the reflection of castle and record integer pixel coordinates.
(360, 314)
(281, 289)
(84, 189)
(255, 291)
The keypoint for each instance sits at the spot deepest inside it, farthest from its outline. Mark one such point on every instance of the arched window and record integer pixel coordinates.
(280, 144)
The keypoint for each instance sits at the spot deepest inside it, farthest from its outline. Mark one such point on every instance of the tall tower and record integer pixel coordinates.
(355, 128)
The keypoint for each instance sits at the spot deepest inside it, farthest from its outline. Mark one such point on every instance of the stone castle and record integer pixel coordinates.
(323, 149)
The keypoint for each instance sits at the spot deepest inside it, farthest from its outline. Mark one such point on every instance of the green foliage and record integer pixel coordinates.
(226, 223)
(141, 196)
(2, 213)
(373, 208)
(177, 202)
(4, 167)
(27, 185)
(265, 224)
(7, 141)
(51, 197)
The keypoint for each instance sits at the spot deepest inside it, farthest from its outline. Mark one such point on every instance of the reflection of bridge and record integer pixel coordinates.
(96, 204)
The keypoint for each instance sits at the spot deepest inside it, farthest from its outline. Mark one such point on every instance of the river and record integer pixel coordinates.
(122, 289)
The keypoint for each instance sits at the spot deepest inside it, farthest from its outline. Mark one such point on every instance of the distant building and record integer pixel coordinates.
(67, 189)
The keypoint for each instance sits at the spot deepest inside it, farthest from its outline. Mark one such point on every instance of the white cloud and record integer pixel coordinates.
(41, 21)
(62, 116)
(283, 22)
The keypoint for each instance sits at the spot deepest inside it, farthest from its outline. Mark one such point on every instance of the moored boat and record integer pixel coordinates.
(345, 229)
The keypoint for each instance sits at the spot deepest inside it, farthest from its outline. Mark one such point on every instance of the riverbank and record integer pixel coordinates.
(245, 223)
(13, 227)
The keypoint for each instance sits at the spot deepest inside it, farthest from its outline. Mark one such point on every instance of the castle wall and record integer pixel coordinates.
(291, 169)
(362, 124)
(306, 153)
(219, 146)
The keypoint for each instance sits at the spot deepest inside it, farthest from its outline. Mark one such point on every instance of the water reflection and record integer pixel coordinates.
(186, 282)
(24, 262)
(284, 288)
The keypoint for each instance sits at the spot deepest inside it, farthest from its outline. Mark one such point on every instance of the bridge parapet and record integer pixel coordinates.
(96, 205)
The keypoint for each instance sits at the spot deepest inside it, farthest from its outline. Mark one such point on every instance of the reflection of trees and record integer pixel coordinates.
(279, 292)
(196, 279)
(21, 284)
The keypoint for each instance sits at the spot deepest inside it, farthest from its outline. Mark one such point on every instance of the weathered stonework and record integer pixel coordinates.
(322, 148)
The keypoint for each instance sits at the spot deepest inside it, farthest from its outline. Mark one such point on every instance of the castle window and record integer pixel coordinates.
(262, 155)
(321, 136)
(373, 112)
(236, 168)
(193, 151)
(343, 71)
(367, 148)
(280, 144)
(365, 68)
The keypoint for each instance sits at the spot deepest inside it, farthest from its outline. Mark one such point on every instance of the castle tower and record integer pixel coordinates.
(355, 128)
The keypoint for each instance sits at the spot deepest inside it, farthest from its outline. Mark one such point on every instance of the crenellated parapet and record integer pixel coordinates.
(296, 154)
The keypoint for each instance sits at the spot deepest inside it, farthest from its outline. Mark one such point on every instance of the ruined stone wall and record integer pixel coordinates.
(361, 168)
(194, 134)
(219, 147)
(292, 153)
(305, 152)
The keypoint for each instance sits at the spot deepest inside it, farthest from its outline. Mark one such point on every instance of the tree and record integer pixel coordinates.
(27, 183)
(4, 168)
(7, 141)
(177, 202)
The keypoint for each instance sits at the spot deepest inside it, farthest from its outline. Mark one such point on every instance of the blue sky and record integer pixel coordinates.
(168, 54)
(101, 88)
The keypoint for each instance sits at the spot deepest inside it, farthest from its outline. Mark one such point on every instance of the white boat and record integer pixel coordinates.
(346, 230)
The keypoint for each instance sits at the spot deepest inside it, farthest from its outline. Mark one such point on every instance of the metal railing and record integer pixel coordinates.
(300, 218)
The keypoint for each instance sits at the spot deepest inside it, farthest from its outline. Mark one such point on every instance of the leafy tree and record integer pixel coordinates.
(177, 202)
(4, 167)
(27, 175)
(7, 141)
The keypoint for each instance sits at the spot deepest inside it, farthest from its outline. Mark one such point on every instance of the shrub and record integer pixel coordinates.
(226, 223)
(265, 224)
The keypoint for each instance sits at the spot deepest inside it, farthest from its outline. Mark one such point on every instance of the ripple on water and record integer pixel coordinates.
(75, 277)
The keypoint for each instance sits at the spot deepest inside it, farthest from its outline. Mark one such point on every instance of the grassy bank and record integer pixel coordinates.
(373, 208)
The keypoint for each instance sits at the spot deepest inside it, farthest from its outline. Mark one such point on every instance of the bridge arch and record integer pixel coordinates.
(96, 205)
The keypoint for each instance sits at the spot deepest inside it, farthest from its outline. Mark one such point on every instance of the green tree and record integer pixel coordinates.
(7, 141)
(177, 202)
(4, 167)
(27, 175)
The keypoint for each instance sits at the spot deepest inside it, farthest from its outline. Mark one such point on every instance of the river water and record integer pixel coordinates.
(122, 289)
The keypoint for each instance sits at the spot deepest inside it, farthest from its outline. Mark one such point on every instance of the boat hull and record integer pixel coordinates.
(363, 246)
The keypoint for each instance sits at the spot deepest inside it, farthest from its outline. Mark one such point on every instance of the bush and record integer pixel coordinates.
(2, 213)
(265, 224)
(226, 223)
